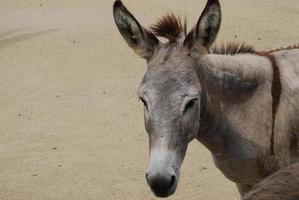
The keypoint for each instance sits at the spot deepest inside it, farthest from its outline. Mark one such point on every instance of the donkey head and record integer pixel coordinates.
(170, 89)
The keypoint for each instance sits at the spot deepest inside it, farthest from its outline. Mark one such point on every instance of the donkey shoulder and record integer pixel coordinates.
(288, 110)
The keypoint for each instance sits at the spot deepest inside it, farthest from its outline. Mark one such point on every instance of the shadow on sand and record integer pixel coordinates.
(21, 37)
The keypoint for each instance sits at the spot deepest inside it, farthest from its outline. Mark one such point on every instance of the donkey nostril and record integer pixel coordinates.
(172, 180)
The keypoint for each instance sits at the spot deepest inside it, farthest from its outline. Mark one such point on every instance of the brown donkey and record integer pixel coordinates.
(282, 185)
(241, 104)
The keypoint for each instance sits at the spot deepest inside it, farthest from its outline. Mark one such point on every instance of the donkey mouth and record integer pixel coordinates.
(163, 192)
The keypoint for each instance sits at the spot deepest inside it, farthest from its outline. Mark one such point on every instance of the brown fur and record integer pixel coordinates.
(283, 185)
(170, 27)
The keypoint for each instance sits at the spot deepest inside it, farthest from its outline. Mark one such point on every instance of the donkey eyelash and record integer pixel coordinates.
(189, 104)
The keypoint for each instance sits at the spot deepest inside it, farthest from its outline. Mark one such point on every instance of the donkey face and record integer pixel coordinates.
(170, 89)
(171, 97)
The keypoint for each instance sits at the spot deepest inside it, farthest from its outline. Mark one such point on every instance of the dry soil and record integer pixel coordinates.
(71, 125)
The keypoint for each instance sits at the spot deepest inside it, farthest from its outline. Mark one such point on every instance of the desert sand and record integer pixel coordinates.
(71, 125)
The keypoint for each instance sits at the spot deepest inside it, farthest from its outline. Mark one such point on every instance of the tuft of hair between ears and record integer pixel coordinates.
(170, 27)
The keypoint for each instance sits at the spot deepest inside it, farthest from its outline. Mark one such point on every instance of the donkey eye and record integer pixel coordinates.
(144, 102)
(189, 105)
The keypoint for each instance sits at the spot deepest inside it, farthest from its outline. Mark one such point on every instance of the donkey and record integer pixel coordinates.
(241, 104)
(282, 185)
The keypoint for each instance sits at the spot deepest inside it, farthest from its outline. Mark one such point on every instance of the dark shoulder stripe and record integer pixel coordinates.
(276, 93)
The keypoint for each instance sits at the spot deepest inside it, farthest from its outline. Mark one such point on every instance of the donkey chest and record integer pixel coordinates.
(242, 170)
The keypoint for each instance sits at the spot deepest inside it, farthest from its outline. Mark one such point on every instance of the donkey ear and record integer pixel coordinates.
(139, 39)
(207, 27)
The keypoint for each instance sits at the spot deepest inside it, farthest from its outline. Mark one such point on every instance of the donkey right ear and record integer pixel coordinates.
(143, 42)
(207, 27)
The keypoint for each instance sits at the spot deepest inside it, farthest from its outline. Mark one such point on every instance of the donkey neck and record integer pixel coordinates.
(209, 123)
(237, 130)
(230, 81)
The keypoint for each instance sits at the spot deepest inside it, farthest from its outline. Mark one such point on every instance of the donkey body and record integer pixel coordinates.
(241, 104)
(247, 143)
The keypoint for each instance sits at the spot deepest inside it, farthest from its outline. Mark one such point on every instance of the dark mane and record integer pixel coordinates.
(295, 46)
(232, 48)
(169, 26)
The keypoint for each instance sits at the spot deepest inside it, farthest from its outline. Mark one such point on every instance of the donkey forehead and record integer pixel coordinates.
(173, 75)
(168, 54)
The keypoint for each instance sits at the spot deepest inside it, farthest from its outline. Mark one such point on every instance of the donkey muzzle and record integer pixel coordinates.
(162, 185)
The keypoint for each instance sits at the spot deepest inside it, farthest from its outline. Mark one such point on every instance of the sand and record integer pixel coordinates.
(71, 125)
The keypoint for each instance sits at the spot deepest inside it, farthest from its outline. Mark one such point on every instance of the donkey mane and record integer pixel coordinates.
(170, 26)
(295, 46)
(232, 48)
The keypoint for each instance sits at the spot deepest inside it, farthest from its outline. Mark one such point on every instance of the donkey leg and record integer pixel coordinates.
(295, 148)
(243, 188)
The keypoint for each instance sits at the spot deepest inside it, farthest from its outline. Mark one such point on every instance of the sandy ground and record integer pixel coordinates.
(71, 126)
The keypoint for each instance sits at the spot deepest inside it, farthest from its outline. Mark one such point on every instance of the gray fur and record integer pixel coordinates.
(223, 101)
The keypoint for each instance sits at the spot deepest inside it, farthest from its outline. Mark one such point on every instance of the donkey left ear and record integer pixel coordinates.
(143, 42)
(207, 27)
